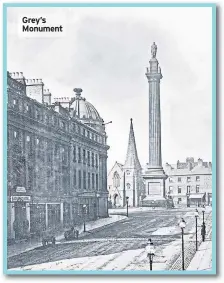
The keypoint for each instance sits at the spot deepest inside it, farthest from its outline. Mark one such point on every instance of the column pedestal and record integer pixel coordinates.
(154, 188)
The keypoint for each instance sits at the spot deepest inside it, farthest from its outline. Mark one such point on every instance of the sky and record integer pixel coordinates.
(105, 51)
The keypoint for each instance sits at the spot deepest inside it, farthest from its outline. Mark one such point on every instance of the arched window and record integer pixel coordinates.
(116, 180)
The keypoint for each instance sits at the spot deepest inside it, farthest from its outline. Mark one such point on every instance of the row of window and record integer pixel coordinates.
(58, 122)
(79, 155)
(189, 189)
(85, 180)
(86, 133)
(84, 156)
(180, 179)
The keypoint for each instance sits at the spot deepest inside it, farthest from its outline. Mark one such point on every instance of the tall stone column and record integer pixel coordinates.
(154, 175)
(154, 76)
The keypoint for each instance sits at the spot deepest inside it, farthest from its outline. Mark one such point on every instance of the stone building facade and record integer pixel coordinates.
(125, 181)
(57, 159)
(189, 183)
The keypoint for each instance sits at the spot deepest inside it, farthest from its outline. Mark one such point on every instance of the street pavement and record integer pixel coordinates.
(118, 246)
(190, 254)
(22, 247)
(202, 259)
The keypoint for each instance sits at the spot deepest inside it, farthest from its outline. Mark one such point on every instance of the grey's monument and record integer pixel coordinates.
(154, 176)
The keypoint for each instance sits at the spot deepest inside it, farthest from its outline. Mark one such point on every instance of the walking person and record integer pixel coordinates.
(203, 232)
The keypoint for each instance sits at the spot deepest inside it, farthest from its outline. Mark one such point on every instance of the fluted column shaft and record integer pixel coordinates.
(154, 76)
(155, 159)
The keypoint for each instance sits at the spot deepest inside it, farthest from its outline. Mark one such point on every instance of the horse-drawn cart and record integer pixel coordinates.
(71, 234)
(48, 236)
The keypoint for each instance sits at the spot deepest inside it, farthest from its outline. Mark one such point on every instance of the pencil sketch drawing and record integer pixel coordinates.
(109, 142)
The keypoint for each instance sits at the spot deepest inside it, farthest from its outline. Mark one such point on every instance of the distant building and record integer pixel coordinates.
(57, 159)
(126, 180)
(189, 183)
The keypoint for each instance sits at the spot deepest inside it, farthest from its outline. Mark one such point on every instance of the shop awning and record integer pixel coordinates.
(196, 196)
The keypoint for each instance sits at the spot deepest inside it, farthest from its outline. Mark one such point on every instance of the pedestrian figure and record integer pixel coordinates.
(203, 232)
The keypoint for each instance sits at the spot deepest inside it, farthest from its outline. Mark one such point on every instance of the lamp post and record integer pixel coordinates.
(127, 198)
(203, 213)
(150, 252)
(196, 214)
(182, 225)
(84, 217)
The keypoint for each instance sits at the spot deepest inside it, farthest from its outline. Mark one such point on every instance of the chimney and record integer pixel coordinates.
(18, 76)
(200, 162)
(34, 89)
(47, 97)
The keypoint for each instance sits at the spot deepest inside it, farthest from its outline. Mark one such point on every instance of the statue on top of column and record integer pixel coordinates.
(153, 50)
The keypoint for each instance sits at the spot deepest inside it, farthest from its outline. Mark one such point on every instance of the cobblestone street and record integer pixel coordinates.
(118, 246)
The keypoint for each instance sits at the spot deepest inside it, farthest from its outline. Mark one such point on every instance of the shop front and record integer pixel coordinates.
(209, 199)
(37, 219)
(67, 214)
(91, 203)
(18, 217)
(197, 199)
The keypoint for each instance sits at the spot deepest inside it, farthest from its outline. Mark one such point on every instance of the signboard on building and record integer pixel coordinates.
(20, 198)
(20, 190)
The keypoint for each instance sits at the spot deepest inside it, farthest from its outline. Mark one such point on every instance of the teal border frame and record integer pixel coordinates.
(110, 5)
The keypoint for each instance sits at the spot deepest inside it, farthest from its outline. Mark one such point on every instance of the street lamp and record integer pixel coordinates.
(182, 225)
(127, 198)
(84, 217)
(196, 214)
(150, 252)
(203, 213)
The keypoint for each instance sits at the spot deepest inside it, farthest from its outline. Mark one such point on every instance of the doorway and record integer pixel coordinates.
(20, 224)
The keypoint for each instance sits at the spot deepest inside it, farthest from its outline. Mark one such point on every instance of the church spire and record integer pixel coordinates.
(132, 161)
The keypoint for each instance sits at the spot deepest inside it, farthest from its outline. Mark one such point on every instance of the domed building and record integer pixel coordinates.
(85, 112)
(57, 176)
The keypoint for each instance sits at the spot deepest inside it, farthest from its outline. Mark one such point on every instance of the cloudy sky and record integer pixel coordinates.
(105, 51)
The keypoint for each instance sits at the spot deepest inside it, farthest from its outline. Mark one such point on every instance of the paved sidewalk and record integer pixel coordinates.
(203, 257)
(18, 248)
(123, 210)
(189, 247)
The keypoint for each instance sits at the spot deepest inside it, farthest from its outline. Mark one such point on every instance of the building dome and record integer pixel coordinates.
(85, 111)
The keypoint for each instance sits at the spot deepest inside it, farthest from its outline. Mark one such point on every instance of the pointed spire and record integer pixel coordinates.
(132, 155)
